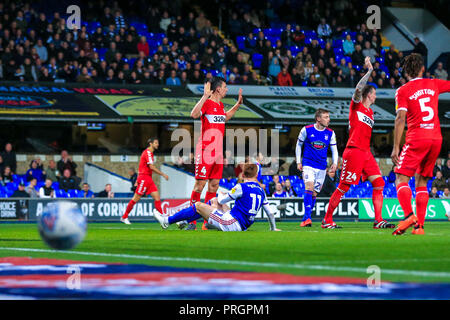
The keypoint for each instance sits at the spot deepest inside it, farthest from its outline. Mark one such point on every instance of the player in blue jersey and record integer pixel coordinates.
(249, 198)
(315, 140)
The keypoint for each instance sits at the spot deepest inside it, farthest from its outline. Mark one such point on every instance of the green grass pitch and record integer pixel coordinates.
(314, 251)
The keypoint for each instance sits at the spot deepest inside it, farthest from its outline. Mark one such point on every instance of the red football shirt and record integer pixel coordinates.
(146, 160)
(213, 125)
(360, 124)
(419, 98)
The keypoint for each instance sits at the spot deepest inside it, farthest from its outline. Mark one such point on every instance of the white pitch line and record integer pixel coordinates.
(431, 274)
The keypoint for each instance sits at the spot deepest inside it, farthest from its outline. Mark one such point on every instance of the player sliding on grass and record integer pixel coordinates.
(357, 158)
(208, 152)
(316, 139)
(249, 198)
(417, 103)
(144, 183)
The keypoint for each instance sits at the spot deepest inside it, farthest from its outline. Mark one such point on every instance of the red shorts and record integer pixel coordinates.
(145, 185)
(207, 167)
(418, 156)
(357, 162)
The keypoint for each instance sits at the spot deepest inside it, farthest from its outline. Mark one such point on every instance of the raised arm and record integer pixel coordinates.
(197, 110)
(230, 113)
(359, 87)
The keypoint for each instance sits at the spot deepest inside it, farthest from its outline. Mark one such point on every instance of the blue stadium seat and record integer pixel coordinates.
(73, 193)
(240, 42)
(257, 60)
(55, 185)
(61, 193)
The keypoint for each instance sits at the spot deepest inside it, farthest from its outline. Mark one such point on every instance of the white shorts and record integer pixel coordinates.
(224, 221)
(317, 176)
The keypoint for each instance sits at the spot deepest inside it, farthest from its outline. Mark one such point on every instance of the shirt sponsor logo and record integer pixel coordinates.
(365, 119)
(318, 145)
(215, 118)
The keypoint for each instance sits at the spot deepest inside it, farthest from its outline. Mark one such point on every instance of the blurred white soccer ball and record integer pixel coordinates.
(62, 225)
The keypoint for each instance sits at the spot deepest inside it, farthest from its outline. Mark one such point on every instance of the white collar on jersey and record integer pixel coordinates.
(415, 79)
(318, 129)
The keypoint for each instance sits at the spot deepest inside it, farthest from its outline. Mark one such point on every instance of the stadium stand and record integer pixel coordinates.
(144, 47)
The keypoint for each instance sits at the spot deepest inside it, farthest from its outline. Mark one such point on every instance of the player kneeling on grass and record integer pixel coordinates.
(144, 183)
(249, 197)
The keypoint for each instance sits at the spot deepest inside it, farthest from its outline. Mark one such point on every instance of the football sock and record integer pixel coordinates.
(195, 196)
(189, 214)
(421, 204)
(129, 208)
(308, 204)
(313, 205)
(158, 206)
(334, 201)
(209, 196)
(377, 198)
(404, 196)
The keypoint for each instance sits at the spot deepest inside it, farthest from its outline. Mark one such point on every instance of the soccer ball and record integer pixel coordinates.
(62, 225)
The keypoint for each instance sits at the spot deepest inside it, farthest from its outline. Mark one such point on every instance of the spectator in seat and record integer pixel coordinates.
(7, 175)
(52, 173)
(288, 188)
(228, 170)
(298, 36)
(438, 167)
(273, 183)
(284, 78)
(446, 194)
(31, 189)
(9, 157)
(446, 169)
(358, 56)
(133, 179)
(68, 182)
(20, 192)
(433, 193)
(143, 46)
(421, 49)
(66, 163)
(107, 193)
(46, 191)
(279, 192)
(439, 182)
(348, 46)
(85, 192)
(440, 73)
(274, 68)
(369, 52)
(324, 30)
(34, 172)
(329, 185)
(173, 80)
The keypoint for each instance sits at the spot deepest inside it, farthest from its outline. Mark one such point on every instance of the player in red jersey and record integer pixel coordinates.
(209, 149)
(357, 159)
(417, 103)
(144, 182)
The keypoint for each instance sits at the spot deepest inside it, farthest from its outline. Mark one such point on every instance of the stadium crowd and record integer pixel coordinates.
(59, 179)
(174, 47)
